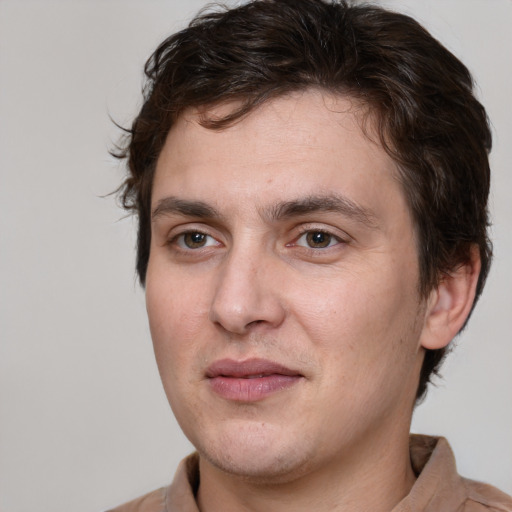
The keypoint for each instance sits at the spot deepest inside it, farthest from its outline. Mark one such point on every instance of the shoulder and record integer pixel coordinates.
(483, 497)
(151, 502)
(178, 496)
(439, 487)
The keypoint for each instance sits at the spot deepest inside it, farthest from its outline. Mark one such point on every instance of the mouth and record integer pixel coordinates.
(251, 380)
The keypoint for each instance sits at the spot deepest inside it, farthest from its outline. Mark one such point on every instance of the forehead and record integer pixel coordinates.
(307, 143)
(291, 119)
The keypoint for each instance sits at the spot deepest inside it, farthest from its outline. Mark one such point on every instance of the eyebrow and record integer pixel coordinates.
(173, 205)
(319, 204)
(284, 210)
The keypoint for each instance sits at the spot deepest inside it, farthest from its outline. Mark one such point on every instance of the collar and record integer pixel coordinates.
(438, 486)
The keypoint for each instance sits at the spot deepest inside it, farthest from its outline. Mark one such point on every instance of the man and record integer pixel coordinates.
(311, 184)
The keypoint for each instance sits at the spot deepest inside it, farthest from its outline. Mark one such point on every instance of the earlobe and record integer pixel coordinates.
(450, 303)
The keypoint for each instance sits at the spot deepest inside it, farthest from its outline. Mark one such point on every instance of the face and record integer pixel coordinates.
(282, 288)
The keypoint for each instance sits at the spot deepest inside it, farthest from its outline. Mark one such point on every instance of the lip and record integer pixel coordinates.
(251, 380)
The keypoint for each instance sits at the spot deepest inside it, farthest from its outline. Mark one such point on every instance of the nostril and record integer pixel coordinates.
(255, 322)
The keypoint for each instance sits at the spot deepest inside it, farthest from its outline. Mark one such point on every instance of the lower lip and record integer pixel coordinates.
(251, 390)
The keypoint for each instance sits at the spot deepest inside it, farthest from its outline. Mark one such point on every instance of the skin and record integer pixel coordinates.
(344, 313)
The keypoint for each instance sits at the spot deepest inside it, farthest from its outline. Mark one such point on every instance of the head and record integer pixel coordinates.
(415, 99)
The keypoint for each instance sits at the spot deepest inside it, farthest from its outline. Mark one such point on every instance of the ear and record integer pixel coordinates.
(450, 303)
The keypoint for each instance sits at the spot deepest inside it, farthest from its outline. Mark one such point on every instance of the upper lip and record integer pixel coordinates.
(240, 369)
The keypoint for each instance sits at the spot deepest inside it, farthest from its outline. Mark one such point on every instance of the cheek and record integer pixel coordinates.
(360, 320)
(345, 308)
(175, 330)
(176, 317)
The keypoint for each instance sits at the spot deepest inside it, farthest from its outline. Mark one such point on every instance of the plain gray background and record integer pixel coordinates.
(84, 423)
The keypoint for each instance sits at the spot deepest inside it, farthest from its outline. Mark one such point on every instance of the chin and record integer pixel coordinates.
(258, 452)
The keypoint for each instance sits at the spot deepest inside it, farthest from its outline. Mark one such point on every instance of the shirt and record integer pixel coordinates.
(438, 487)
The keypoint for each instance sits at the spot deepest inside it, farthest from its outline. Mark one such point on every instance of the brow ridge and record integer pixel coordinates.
(279, 211)
(174, 205)
(323, 203)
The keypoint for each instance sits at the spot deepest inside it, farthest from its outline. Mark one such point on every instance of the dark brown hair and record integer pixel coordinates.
(420, 95)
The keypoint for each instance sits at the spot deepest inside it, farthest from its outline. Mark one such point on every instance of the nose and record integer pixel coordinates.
(247, 294)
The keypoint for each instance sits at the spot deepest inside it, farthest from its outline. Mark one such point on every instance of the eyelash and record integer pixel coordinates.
(181, 236)
(307, 230)
(179, 240)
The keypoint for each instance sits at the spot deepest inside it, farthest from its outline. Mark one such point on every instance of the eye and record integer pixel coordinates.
(317, 240)
(194, 240)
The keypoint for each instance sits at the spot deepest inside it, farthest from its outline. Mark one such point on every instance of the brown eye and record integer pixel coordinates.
(318, 239)
(194, 240)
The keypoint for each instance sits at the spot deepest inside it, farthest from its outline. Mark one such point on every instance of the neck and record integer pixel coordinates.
(374, 477)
